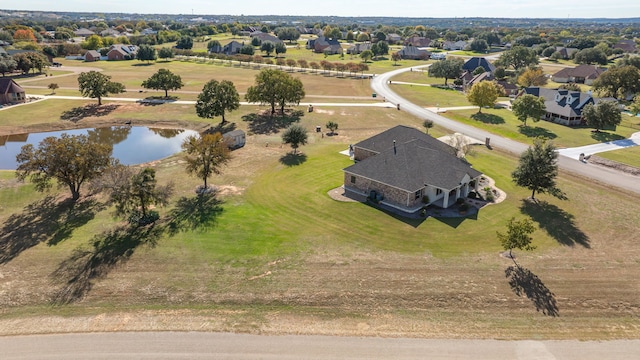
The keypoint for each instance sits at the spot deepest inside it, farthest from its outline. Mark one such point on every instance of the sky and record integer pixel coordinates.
(391, 8)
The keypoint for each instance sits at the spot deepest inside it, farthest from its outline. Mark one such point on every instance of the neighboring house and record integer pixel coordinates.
(393, 38)
(628, 46)
(563, 106)
(439, 56)
(565, 52)
(509, 88)
(581, 74)
(475, 62)
(11, 92)
(468, 79)
(83, 32)
(110, 33)
(265, 37)
(232, 48)
(122, 52)
(325, 45)
(417, 41)
(406, 169)
(235, 139)
(358, 48)
(457, 45)
(148, 31)
(414, 53)
(92, 55)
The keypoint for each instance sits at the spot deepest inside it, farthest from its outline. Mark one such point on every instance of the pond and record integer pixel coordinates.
(131, 144)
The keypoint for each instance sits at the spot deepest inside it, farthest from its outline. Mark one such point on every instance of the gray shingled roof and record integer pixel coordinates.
(412, 165)
(402, 134)
(476, 62)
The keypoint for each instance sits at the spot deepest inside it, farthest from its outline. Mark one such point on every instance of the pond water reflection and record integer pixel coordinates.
(131, 144)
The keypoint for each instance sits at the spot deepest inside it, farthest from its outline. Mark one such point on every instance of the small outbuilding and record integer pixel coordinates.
(235, 139)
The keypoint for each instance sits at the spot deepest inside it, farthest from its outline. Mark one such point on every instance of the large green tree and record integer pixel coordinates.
(275, 87)
(166, 53)
(94, 85)
(216, 99)
(447, 69)
(295, 135)
(136, 195)
(618, 82)
(185, 42)
(484, 94)
(601, 115)
(165, 80)
(532, 77)
(268, 47)
(529, 106)
(518, 57)
(7, 64)
(518, 235)
(537, 169)
(590, 56)
(205, 155)
(146, 53)
(70, 160)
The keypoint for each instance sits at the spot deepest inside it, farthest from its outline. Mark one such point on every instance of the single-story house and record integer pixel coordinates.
(11, 92)
(92, 55)
(232, 48)
(418, 41)
(563, 106)
(122, 52)
(393, 38)
(414, 53)
(84, 32)
(581, 74)
(358, 48)
(265, 37)
(406, 169)
(476, 62)
(628, 46)
(325, 45)
(565, 52)
(454, 45)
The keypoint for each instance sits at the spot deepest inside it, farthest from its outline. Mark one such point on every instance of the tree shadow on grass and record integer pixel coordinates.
(265, 123)
(558, 223)
(108, 249)
(222, 128)
(45, 220)
(523, 282)
(291, 159)
(196, 213)
(536, 132)
(488, 118)
(78, 113)
(602, 136)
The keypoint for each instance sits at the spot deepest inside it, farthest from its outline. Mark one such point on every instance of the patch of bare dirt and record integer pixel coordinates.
(614, 165)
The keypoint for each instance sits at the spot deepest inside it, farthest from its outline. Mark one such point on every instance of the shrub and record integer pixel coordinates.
(460, 201)
(425, 199)
(464, 207)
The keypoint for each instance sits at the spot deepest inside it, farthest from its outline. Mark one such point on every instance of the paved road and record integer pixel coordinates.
(195, 345)
(624, 181)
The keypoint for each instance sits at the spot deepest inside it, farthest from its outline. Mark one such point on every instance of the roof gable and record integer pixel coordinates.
(9, 86)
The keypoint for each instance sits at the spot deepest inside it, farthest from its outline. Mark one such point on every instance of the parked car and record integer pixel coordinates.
(56, 64)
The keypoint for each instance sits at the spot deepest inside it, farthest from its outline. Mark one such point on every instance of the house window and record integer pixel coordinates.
(418, 194)
(438, 192)
(353, 179)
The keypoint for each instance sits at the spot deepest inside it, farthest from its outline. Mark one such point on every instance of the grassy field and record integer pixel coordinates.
(277, 255)
(629, 156)
(430, 97)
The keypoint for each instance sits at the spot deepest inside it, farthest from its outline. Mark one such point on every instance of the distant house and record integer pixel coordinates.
(628, 46)
(232, 48)
(393, 38)
(122, 52)
(475, 62)
(563, 106)
(468, 79)
(565, 52)
(325, 45)
(358, 48)
(454, 45)
(581, 74)
(417, 41)
(11, 92)
(110, 33)
(406, 169)
(265, 37)
(438, 56)
(92, 55)
(83, 32)
(414, 53)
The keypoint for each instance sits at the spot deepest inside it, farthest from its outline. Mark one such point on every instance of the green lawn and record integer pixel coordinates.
(431, 97)
(504, 123)
(629, 156)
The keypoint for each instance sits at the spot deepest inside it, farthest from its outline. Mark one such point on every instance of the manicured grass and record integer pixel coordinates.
(504, 123)
(420, 77)
(629, 156)
(430, 96)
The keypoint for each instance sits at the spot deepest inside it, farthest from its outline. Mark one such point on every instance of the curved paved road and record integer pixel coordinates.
(196, 345)
(624, 181)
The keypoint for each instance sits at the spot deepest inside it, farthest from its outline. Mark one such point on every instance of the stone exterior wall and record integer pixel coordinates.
(389, 194)
(360, 154)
